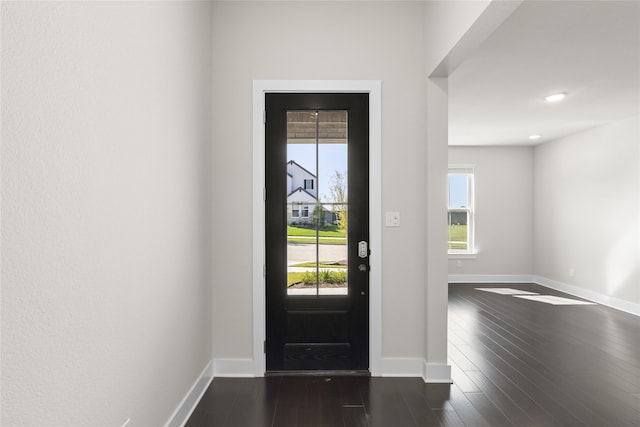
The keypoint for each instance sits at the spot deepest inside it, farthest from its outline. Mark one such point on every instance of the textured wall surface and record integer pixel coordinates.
(565, 211)
(387, 41)
(105, 133)
(324, 41)
(503, 210)
(106, 183)
(587, 210)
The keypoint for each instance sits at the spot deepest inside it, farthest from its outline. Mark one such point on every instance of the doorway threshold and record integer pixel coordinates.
(315, 373)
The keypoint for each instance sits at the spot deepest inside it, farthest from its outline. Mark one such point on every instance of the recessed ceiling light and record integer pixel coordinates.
(536, 136)
(555, 97)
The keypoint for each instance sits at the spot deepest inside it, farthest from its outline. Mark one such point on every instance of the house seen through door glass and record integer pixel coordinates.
(317, 203)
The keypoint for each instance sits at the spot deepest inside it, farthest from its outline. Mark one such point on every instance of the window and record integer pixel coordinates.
(460, 210)
(305, 211)
(308, 184)
(295, 213)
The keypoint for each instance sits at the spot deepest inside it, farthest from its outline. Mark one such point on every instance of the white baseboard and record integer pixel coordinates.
(184, 410)
(490, 278)
(233, 368)
(401, 367)
(418, 368)
(617, 303)
(437, 373)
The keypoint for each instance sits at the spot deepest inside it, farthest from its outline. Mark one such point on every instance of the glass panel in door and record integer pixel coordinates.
(317, 203)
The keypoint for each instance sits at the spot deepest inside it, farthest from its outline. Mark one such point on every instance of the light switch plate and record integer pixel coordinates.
(392, 219)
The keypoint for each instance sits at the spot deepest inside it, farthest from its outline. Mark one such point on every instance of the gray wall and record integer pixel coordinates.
(503, 178)
(324, 41)
(108, 119)
(565, 214)
(106, 312)
(393, 42)
(587, 211)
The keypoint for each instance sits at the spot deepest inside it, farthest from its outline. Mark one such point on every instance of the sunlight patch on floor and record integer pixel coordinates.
(506, 291)
(533, 296)
(550, 299)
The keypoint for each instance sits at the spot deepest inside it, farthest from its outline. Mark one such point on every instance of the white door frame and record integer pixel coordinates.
(373, 88)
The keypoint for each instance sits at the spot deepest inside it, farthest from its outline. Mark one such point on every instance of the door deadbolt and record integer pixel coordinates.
(363, 249)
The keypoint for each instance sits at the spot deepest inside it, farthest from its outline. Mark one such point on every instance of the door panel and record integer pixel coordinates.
(317, 202)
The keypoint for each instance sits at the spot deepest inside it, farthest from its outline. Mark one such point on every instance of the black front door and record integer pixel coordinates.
(317, 232)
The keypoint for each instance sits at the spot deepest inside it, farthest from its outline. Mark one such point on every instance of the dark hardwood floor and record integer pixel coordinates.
(515, 362)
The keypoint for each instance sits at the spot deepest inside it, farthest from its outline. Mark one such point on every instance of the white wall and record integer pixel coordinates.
(106, 311)
(446, 24)
(323, 41)
(503, 213)
(587, 211)
(580, 211)
(384, 41)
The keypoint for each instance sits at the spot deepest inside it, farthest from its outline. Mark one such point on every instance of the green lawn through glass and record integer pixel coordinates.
(457, 236)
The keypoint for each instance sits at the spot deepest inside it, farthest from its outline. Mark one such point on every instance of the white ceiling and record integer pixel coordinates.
(588, 49)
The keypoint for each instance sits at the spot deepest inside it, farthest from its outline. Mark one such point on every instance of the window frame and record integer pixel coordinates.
(310, 184)
(469, 171)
